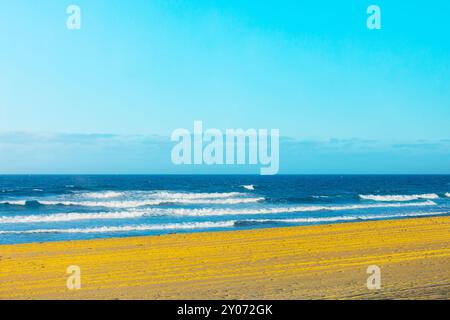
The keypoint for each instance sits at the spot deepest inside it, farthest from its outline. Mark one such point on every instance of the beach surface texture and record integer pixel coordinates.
(313, 262)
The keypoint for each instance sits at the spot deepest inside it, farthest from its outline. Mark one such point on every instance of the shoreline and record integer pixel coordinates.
(307, 262)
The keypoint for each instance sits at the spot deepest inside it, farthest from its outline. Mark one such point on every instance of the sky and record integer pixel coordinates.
(105, 98)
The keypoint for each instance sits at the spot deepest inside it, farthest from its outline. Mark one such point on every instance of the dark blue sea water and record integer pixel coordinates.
(36, 208)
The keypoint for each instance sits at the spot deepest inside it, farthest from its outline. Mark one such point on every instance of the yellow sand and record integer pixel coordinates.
(328, 261)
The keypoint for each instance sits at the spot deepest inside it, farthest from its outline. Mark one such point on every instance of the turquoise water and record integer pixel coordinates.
(52, 208)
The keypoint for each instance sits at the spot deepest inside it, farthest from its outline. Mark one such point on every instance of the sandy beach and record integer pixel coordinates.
(314, 262)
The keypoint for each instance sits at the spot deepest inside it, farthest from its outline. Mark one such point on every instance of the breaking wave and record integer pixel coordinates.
(399, 197)
(221, 224)
(169, 226)
(65, 217)
(274, 210)
(182, 195)
(103, 195)
(132, 203)
(340, 218)
(134, 199)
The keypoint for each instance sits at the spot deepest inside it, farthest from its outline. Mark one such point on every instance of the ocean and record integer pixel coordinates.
(41, 208)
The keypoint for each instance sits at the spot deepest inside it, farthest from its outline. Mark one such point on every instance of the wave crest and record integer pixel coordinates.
(103, 194)
(221, 224)
(169, 226)
(275, 210)
(65, 217)
(132, 203)
(399, 197)
(341, 218)
(187, 195)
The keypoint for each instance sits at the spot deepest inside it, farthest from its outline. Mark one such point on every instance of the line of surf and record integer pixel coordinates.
(64, 217)
(169, 226)
(221, 224)
(343, 218)
(275, 210)
(131, 203)
(158, 194)
(399, 197)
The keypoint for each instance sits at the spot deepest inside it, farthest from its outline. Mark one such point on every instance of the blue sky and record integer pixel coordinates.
(139, 69)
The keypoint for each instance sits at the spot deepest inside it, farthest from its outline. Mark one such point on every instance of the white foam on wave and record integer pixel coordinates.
(169, 226)
(106, 204)
(221, 224)
(65, 217)
(183, 195)
(150, 202)
(159, 195)
(138, 203)
(447, 194)
(250, 187)
(275, 210)
(349, 218)
(224, 201)
(134, 199)
(399, 197)
(102, 195)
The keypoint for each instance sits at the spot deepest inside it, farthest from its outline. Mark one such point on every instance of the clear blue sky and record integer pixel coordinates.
(310, 68)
